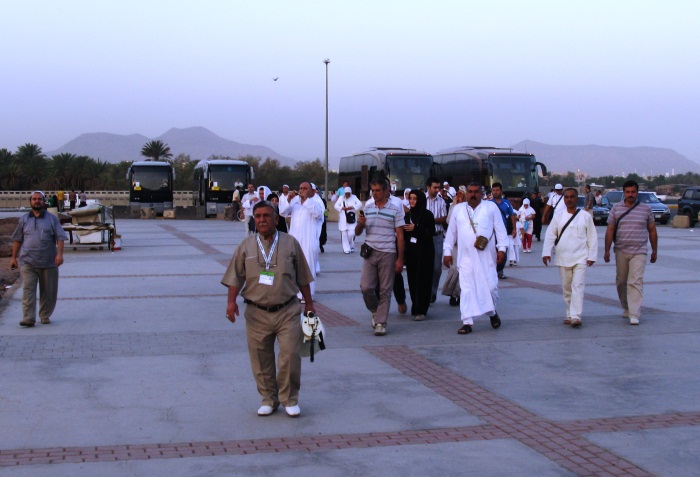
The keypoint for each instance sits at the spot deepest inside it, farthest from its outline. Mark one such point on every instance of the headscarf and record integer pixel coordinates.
(265, 189)
(416, 213)
(404, 201)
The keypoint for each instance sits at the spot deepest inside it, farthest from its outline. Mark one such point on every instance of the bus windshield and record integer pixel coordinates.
(408, 172)
(514, 172)
(156, 178)
(227, 176)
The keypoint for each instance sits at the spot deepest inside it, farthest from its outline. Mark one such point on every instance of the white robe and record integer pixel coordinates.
(347, 231)
(478, 278)
(303, 228)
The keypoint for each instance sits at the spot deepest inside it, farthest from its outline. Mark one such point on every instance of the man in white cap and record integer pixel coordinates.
(555, 204)
(348, 206)
(450, 190)
(316, 195)
(304, 212)
(284, 201)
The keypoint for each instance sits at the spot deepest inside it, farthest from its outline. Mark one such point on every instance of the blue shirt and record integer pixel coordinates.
(506, 211)
(38, 236)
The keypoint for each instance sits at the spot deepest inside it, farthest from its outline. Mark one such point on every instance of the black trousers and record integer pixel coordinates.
(419, 268)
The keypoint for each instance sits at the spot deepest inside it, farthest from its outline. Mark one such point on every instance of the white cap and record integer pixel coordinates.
(285, 185)
(445, 183)
(347, 190)
(558, 187)
(526, 201)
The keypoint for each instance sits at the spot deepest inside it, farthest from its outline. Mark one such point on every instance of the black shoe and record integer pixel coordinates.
(322, 251)
(495, 321)
(465, 329)
(454, 301)
(502, 276)
(433, 298)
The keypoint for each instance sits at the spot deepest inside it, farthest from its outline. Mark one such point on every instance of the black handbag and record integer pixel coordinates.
(350, 216)
(365, 251)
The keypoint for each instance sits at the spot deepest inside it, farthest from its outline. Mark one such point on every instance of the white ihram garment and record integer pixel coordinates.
(478, 278)
(347, 231)
(577, 245)
(303, 228)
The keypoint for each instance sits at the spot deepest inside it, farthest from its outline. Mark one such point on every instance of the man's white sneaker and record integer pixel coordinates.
(419, 318)
(634, 321)
(379, 330)
(293, 411)
(266, 410)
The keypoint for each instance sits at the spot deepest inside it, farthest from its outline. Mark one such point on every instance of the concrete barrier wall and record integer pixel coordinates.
(15, 199)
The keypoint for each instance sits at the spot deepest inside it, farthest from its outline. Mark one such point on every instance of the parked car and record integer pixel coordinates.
(689, 203)
(600, 213)
(662, 213)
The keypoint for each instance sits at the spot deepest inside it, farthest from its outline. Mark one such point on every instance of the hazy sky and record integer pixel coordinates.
(427, 75)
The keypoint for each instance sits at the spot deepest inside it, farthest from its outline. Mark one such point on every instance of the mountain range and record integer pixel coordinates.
(201, 143)
(609, 160)
(197, 142)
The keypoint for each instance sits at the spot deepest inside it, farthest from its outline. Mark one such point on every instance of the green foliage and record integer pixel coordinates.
(156, 150)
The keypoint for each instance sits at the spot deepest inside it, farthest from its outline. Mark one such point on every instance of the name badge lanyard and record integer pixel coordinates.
(268, 258)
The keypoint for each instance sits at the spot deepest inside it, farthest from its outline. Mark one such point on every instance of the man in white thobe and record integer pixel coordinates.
(304, 212)
(347, 203)
(576, 247)
(316, 195)
(555, 201)
(247, 202)
(477, 268)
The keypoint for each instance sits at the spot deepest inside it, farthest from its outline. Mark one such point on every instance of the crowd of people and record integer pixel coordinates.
(470, 231)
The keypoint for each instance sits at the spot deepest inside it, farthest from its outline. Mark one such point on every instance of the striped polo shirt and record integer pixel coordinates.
(632, 231)
(439, 209)
(381, 226)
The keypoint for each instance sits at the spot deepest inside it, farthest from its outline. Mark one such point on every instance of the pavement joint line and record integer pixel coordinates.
(522, 424)
(190, 240)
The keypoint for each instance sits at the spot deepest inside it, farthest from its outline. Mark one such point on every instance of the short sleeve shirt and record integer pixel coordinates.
(556, 202)
(633, 229)
(381, 226)
(288, 265)
(38, 236)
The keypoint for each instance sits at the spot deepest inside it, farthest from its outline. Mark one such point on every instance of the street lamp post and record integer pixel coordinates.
(325, 186)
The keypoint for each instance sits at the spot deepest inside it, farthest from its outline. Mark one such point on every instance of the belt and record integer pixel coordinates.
(270, 309)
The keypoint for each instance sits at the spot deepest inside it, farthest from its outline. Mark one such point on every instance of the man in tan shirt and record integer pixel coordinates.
(268, 269)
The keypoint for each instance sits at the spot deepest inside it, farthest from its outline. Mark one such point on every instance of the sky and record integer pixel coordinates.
(418, 74)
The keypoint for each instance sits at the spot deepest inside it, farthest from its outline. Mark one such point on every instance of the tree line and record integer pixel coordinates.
(28, 168)
(670, 184)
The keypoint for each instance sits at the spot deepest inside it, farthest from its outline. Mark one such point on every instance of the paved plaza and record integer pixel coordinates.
(140, 373)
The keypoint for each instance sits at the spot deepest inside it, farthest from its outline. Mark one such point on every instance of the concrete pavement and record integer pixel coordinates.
(141, 374)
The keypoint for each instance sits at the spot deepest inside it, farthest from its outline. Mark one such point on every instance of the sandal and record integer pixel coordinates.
(575, 322)
(567, 321)
(465, 329)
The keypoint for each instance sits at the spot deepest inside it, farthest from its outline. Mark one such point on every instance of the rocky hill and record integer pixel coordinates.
(197, 142)
(609, 160)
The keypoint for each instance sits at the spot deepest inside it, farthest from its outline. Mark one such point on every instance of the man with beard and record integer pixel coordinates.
(478, 278)
(38, 239)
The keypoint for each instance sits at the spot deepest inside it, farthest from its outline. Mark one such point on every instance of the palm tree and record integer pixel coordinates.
(61, 169)
(32, 164)
(155, 150)
(9, 170)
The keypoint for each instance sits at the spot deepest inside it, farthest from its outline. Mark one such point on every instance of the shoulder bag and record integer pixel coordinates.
(617, 222)
(565, 226)
(481, 242)
(350, 216)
